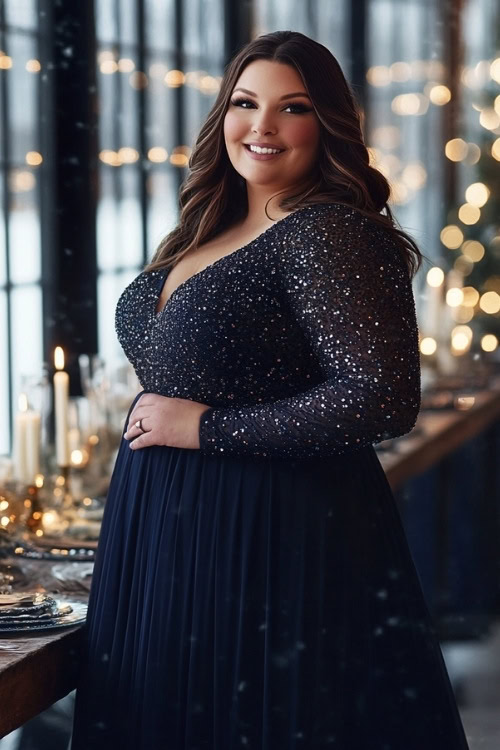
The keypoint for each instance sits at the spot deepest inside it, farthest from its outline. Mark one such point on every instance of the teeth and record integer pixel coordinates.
(259, 150)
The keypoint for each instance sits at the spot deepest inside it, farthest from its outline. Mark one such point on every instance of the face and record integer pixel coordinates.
(266, 112)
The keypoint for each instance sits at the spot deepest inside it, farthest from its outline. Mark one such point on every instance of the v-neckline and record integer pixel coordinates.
(166, 271)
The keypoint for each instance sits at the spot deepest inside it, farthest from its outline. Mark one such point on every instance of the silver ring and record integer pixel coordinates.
(139, 425)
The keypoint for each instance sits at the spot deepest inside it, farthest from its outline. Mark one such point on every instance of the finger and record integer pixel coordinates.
(133, 429)
(135, 432)
(142, 441)
(134, 417)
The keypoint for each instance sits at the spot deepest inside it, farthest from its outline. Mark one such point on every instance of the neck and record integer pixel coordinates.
(258, 197)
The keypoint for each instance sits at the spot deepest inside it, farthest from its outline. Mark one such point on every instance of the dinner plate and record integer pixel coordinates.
(29, 606)
(77, 616)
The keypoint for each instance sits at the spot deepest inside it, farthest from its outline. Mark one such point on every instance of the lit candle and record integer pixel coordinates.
(61, 402)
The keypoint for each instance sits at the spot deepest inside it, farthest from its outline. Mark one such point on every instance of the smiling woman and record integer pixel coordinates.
(253, 586)
(271, 119)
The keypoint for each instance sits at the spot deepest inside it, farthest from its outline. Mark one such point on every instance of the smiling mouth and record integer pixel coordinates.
(280, 151)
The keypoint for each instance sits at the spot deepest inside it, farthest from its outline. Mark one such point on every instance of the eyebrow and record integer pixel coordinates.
(286, 96)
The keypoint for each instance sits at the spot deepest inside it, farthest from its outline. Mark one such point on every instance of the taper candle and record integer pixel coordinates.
(61, 403)
(26, 442)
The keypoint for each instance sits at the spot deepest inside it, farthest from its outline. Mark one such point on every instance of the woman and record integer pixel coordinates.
(253, 587)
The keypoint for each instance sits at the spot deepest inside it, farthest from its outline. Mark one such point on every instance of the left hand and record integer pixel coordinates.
(165, 421)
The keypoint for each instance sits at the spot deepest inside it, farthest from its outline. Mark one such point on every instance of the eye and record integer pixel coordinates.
(299, 108)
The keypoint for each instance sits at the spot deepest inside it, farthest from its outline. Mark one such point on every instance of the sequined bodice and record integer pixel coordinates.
(303, 342)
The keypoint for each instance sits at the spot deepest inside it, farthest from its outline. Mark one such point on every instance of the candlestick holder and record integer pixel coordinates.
(33, 518)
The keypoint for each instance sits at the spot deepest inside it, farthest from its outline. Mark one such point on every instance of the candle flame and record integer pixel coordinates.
(76, 457)
(59, 358)
(23, 402)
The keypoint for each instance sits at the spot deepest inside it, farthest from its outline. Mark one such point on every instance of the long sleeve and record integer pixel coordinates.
(348, 288)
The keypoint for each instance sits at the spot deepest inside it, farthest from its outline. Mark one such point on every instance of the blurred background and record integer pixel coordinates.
(100, 104)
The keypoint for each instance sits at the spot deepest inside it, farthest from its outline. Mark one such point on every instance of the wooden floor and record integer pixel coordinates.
(474, 669)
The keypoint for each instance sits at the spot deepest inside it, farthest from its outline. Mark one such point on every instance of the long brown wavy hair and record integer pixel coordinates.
(213, 196)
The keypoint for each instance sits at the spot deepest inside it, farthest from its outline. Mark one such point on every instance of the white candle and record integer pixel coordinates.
(433, 298)
(26, 442)
(61, 403)
(20, 464)
(32, 444)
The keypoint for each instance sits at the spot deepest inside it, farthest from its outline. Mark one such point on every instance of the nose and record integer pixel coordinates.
(263, 124)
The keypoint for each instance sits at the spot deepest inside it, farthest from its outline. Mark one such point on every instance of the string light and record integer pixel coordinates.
(410, 104)
(435, 276)
(428, 345)
(490, 302)
(157, 154)
(456, 149)
(180, 156)
(126, 65)
(33, 66)
(138, 80)
(378, 75)
(107, 67)
(174, 78)
(110, 157)
(469, 214)
(454, 296)
(5, 61)
(461, 338)
(471, 296)
(489, 342)
(495, 70)
(451, 236)
(473, 250)
(128, 155)
(21, 181)
(33, 158)
(208, 85)
(477, 194)
(489, 119)
(439, 95)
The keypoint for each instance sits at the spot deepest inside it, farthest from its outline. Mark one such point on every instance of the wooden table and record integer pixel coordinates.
(36, 671)
(437, 434)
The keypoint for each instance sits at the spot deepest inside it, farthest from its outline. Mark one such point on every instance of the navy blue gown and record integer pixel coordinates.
(259, 593)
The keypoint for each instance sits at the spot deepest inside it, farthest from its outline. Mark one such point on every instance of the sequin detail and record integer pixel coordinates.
(304, 342)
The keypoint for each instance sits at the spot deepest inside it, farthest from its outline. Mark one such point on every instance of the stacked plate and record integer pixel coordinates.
(38, 611)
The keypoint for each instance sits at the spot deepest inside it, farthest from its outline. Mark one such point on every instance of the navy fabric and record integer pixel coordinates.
(259, 593)
(271, 604)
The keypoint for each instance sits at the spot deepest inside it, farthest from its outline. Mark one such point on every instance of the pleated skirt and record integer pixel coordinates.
(259, 604)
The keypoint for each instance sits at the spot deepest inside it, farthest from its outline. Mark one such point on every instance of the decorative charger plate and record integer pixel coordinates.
(64, 619)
